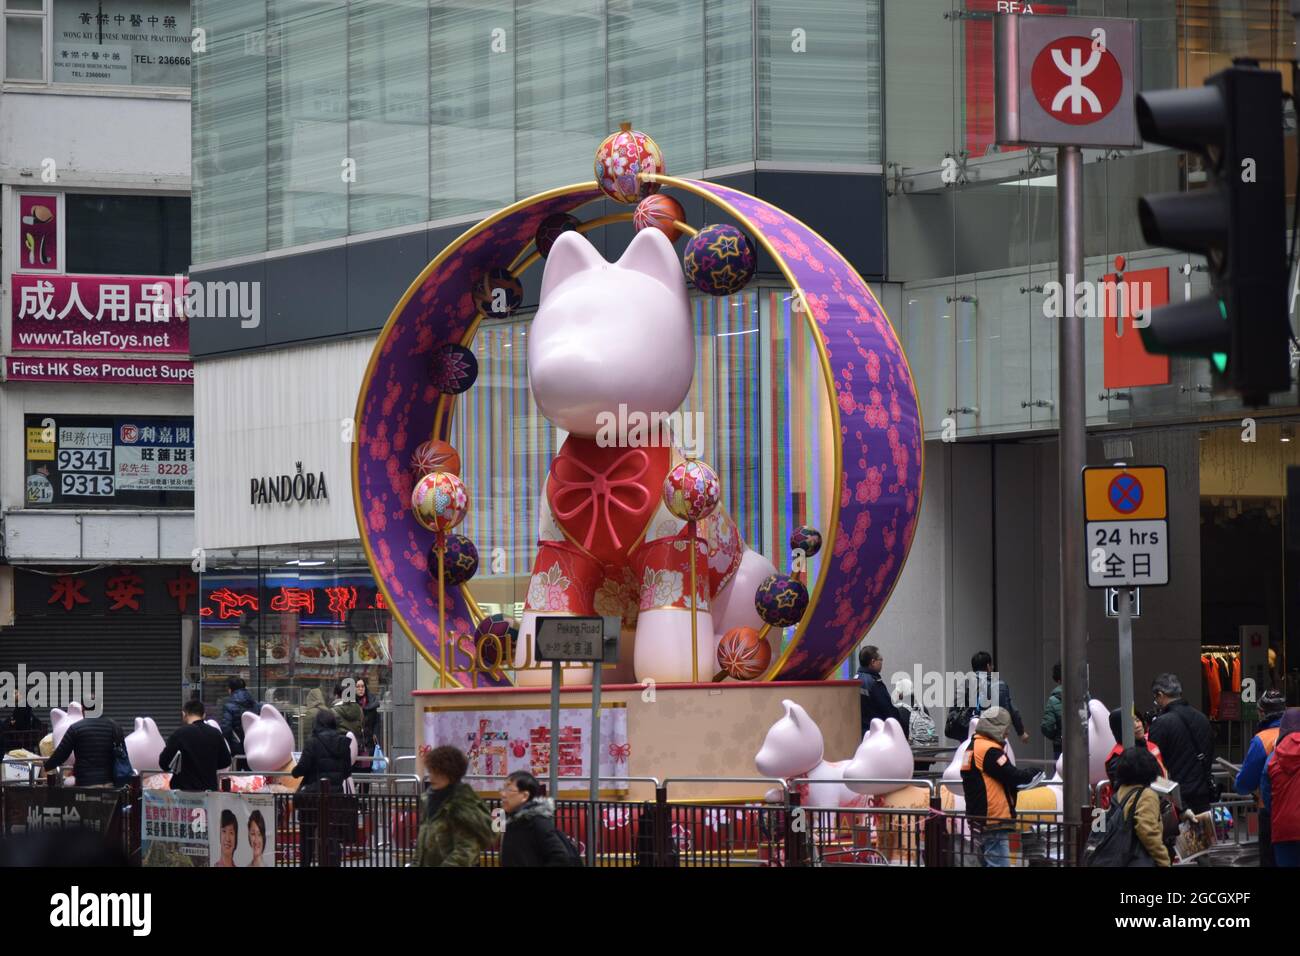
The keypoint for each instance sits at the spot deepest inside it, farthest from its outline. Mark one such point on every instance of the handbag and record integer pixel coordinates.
(1118, 844)
(378, 762)
(122, 769)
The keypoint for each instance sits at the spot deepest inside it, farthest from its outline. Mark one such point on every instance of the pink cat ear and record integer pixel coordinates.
(570, 255)
(650, 253)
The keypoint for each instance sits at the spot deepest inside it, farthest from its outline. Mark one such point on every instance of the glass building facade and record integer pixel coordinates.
(319, 119)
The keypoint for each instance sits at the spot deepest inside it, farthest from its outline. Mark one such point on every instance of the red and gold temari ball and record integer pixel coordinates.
(806, 539)
(459, 560)
(439, 501)
(436, 455)
(719, 260)
(781, 600)
(621, 158)
(744, 655)
(659, 211)
(495, 626)
(692, 490)
(551, 228)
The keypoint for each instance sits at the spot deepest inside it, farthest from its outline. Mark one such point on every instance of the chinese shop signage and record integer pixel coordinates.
(285, 489)
(122, 42)
(113, 590)
(83, 313)
(109, 461)
(328, 604)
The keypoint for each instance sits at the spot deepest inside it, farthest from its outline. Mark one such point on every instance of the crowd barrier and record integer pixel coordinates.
(376, 824)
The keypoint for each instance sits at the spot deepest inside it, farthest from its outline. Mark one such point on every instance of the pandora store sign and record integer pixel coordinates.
(286, 489)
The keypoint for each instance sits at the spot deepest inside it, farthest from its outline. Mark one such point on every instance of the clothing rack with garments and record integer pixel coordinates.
(1221, 670)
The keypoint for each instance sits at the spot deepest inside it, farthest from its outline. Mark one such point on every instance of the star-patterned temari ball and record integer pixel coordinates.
(719, 260)
(459, 562)
(781, 600)
(742, 654)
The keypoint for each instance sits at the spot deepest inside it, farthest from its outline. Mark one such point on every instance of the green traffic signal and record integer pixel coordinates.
(1220, 360)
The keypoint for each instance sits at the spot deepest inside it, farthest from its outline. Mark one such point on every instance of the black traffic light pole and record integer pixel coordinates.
(1238, 222)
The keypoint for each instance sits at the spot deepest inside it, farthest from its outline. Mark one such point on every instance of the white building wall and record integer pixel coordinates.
(258, 416)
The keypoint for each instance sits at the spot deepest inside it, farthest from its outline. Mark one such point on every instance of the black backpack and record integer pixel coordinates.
(571, 847)
(1118, 843)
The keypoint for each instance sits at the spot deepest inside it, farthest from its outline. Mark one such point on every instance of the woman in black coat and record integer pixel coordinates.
(531, 838)
(327, 756)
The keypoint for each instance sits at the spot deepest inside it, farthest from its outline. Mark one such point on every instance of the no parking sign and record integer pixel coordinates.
(1128, 529)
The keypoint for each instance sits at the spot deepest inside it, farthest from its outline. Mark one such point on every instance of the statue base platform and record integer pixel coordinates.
(669, 731)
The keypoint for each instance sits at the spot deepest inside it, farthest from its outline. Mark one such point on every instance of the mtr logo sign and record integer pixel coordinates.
(1077, 80)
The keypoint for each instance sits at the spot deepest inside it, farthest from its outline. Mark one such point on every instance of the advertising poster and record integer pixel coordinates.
(107, 461)
(175, 828)
(500, 741)
(38, 233)
(241, 829)
(89, 313)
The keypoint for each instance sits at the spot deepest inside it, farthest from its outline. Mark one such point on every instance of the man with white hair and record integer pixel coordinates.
(1186, 740)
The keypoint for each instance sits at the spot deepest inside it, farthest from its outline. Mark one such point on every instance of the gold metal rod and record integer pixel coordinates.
(695, 637)
(441, 548)
(688, 229)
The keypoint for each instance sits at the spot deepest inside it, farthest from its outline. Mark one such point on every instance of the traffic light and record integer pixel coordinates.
(1238, 222)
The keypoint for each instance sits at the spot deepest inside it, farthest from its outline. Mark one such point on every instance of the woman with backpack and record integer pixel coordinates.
(531, 838)
(1135, 812)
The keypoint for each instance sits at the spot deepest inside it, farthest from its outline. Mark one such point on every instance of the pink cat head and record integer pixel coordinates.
(793, 745)
(268, 741)
(60, 721)
(884, 754)
(610, 334)
(144, 745)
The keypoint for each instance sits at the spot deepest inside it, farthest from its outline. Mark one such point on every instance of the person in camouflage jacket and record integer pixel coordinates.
(456, 827)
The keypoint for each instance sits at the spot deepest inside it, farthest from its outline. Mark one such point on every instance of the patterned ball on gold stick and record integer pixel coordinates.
(435, 455)
(621, 158)
(692, 490)
(659, 212)
(743, 654)
(781, 600)
(439, 501)
(719, 260)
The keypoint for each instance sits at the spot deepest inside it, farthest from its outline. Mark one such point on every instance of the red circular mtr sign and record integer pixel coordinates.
(1077, 80)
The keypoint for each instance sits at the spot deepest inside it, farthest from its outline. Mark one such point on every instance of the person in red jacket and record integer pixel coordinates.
(1281, 791)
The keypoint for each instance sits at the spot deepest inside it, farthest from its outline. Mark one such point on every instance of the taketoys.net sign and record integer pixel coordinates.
(41, 690)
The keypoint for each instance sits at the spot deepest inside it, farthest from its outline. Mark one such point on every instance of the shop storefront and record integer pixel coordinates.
(293, 623)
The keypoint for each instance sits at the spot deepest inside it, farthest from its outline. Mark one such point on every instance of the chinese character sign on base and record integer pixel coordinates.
(499, 741)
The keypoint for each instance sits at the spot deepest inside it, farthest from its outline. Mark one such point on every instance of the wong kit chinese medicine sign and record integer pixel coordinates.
(499, 741)
(122, 42)
(107, 460)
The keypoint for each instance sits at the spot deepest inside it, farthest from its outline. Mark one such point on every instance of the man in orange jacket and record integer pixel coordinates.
(990, 781)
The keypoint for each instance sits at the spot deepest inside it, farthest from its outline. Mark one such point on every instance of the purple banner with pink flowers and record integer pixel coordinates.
(874, 394)
(89, 313)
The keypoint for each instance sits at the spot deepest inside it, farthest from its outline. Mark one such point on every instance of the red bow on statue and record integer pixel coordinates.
(619, 486)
